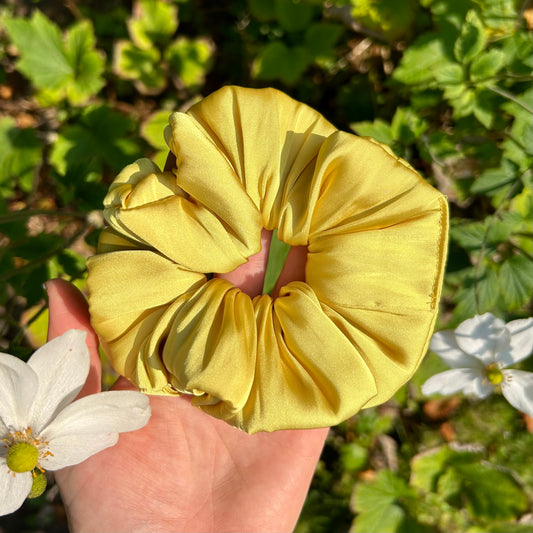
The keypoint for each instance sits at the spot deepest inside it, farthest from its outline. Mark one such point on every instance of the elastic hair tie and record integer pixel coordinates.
(345, 339)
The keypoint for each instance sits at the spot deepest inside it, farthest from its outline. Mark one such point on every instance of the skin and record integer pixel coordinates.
(186, 471)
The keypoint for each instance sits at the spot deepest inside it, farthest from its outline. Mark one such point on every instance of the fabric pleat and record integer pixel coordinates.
(345, 339)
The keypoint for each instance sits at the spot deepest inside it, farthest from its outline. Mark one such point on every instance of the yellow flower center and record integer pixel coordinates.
(494, 374)
(24, 451)
(22, 457)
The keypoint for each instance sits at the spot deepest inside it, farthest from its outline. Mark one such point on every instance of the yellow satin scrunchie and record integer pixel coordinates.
(346, 339)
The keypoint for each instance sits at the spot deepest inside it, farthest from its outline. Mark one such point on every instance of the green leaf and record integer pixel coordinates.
(472, 39)
(141, 65)
(20, 154)
(376, 504)
(449, 74)
(487, 64)
(153, 22)
(86, 62)
(71, 263)
(379, 130)
(72, 68)
(463, 102)
(516, 281)
(426, 468)
(100, 138)
(422, 59)
(518, 50)
(390, 18)
(278, 61)
(276, 259)
(353, 456)
(293, 15)
(320, 39)
(382, 519)
(485, 107)
(190, 60)
(407, 126)
(152, 129)
(495, 178)
(491, 493)
(43, 59)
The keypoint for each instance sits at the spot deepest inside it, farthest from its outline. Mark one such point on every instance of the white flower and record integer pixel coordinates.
(41, 429)
(478, 351)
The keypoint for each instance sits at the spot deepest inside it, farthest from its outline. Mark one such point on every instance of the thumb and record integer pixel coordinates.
(69, 310)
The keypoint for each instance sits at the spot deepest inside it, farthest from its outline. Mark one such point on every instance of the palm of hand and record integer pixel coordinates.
(185, 471)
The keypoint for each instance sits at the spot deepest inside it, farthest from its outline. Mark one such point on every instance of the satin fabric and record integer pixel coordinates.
(346, 338)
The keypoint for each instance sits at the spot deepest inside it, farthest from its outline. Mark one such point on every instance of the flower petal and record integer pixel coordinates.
(18, 384)
(444, 344)
(13, 489)
(62, 366)
(521, 340)
(483, 336)
(480, 387)
(451, 381)
(518, 389)
(91, 424)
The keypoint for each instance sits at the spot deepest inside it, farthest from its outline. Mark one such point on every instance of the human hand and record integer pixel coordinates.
(185, 470)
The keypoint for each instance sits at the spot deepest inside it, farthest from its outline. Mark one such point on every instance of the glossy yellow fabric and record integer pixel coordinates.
(346, 339)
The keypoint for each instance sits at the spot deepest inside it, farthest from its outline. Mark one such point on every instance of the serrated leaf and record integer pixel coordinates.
(379, 520)
(141, 65)
(293, 15)
(478, 295)
(407, 126)
(426, 468)
(153, 22)
(278, 61)
(100, 138)
(516, 281)
(491, 493)
(449, 484)
(86, 62)
(469, 235)
(495, 178)
(379, 130)
(190, 60)
(422, 59)
(487, 65)
(376, 503)
(71, 67)
(43, 59)
(518, 49)
(20, 154)
(472, 39)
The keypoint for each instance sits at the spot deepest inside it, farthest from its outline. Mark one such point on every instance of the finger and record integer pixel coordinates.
(249, 277)
(69, 310)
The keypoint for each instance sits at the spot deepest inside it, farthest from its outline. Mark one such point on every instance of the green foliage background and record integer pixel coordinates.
(86, 87)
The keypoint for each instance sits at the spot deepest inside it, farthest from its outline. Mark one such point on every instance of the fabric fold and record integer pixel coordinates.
(345, 339)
